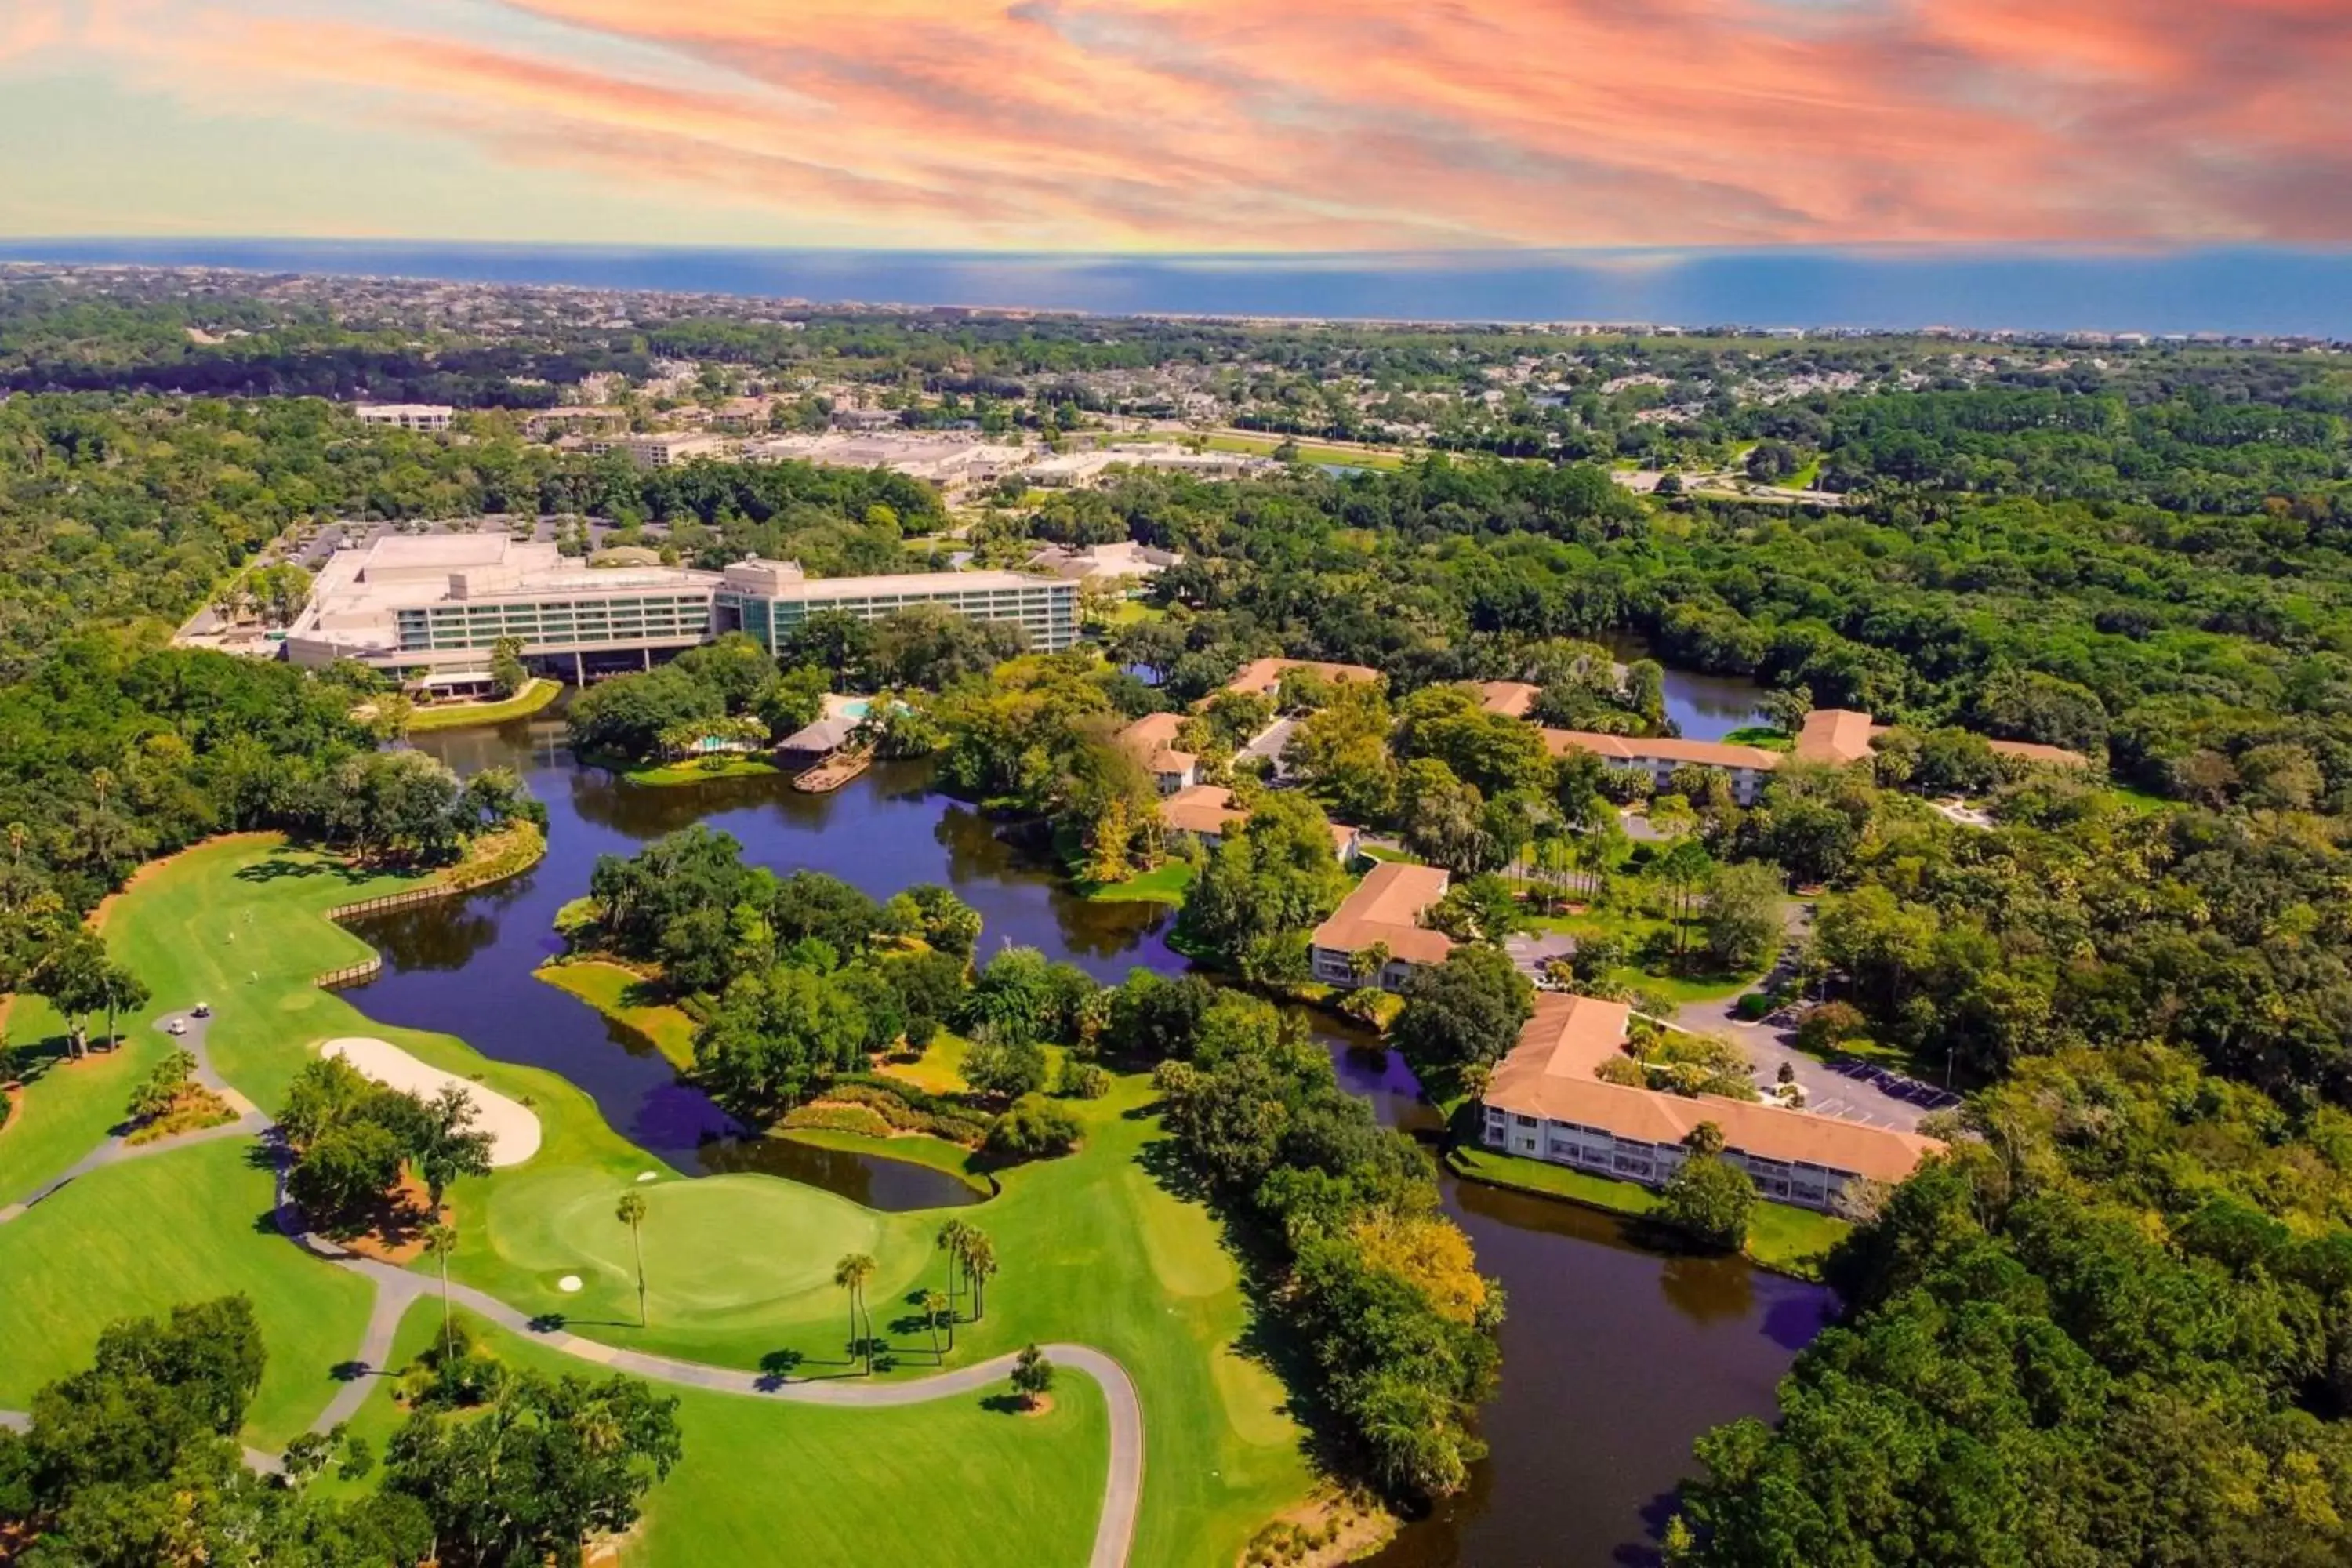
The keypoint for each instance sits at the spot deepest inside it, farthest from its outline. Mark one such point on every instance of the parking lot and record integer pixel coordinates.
(1871, 1088)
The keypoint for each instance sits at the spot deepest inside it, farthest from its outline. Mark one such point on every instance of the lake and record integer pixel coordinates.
(1614, 1357)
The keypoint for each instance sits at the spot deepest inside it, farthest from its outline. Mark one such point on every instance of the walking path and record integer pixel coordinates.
(397, 1290)
(249, 1123)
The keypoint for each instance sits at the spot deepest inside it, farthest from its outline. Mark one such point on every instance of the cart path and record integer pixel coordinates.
(398, 1290)
(249, 1123)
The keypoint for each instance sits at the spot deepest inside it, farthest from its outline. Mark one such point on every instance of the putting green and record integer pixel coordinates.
(722, 1244)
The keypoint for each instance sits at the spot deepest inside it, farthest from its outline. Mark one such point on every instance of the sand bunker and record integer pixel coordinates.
(513, 1129)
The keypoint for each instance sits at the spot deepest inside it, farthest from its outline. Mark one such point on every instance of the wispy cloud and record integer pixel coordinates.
(1332, 124)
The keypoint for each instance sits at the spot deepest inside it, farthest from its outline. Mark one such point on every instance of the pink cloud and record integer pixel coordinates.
(1236, 125)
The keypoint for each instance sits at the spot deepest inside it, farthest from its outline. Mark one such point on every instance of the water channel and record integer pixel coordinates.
(1614, 1357)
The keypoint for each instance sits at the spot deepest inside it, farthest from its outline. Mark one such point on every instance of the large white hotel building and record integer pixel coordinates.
(438, 604)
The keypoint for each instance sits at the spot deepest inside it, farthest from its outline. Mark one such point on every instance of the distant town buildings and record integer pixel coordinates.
(1545, 1102)
(1104, 563)
(405, 415)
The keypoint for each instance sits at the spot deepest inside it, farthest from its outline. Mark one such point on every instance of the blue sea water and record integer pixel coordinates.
(2277, 291)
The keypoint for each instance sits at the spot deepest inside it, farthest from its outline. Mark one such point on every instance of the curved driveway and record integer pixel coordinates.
(397, 1290)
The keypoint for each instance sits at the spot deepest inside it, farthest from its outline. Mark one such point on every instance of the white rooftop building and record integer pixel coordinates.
(405, 415)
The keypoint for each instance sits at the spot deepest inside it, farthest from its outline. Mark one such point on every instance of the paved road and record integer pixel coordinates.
(397, 1290)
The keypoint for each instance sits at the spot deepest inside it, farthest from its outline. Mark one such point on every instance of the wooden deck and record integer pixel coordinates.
(834, 770)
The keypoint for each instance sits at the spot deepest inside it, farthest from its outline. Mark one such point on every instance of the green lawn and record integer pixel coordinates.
(184, 1225)
(536, 694)
(620, 995)
(1633, 929)
(1780, 1237)
(1160, 885)
(1309, 451)
(700, 770)
(195, 932)
(951, 1483)
(1092, 1249)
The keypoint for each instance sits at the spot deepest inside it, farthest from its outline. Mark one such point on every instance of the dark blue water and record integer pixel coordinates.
(2273, 289)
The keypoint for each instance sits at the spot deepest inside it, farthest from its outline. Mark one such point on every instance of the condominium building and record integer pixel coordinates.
(1263, 677)
(1383, 911)
(1152, 741)
(405, 415)
(1545, 1102)
(1659, 755)
(769, 598)
(665, 449)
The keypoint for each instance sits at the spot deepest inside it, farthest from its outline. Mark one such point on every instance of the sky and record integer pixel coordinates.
(1191, 126)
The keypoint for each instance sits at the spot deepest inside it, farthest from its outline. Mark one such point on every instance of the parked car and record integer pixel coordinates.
(176, 1026)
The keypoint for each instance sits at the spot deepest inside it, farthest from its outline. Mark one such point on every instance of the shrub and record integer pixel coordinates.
(1035, 1127)
(839, 1119)
(1085, 1081)
(1826, 1027)
(1755, 1005)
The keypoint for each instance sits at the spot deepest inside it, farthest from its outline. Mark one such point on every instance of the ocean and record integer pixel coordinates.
(2274, 291)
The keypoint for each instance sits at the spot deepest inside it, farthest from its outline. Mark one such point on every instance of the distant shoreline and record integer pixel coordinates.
(2243, 292)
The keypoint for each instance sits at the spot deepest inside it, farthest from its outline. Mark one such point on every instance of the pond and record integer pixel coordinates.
(1705, 707)
(1614, 1357)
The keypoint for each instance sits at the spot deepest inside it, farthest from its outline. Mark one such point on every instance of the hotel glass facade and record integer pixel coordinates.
(656, 616)
(1044, 608)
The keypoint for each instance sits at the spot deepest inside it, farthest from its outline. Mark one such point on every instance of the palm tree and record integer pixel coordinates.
(631, 1212)
(949, 1240)
(851, 1274)
(979, 1263)
(935, 1307)
(440, 1241)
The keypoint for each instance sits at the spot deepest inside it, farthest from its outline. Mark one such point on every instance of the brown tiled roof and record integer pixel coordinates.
(1152, 739)
(1383, 908)
(1550, 1075)
(1261, 676)
(1644, 748)
(1202, 808)
(1512, 698)
(1838, 735)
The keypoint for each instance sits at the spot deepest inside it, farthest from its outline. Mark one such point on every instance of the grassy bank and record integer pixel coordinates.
(625, 998)
(536, 694)
(1160, 885)
(1782, 1238)
(700, 770)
